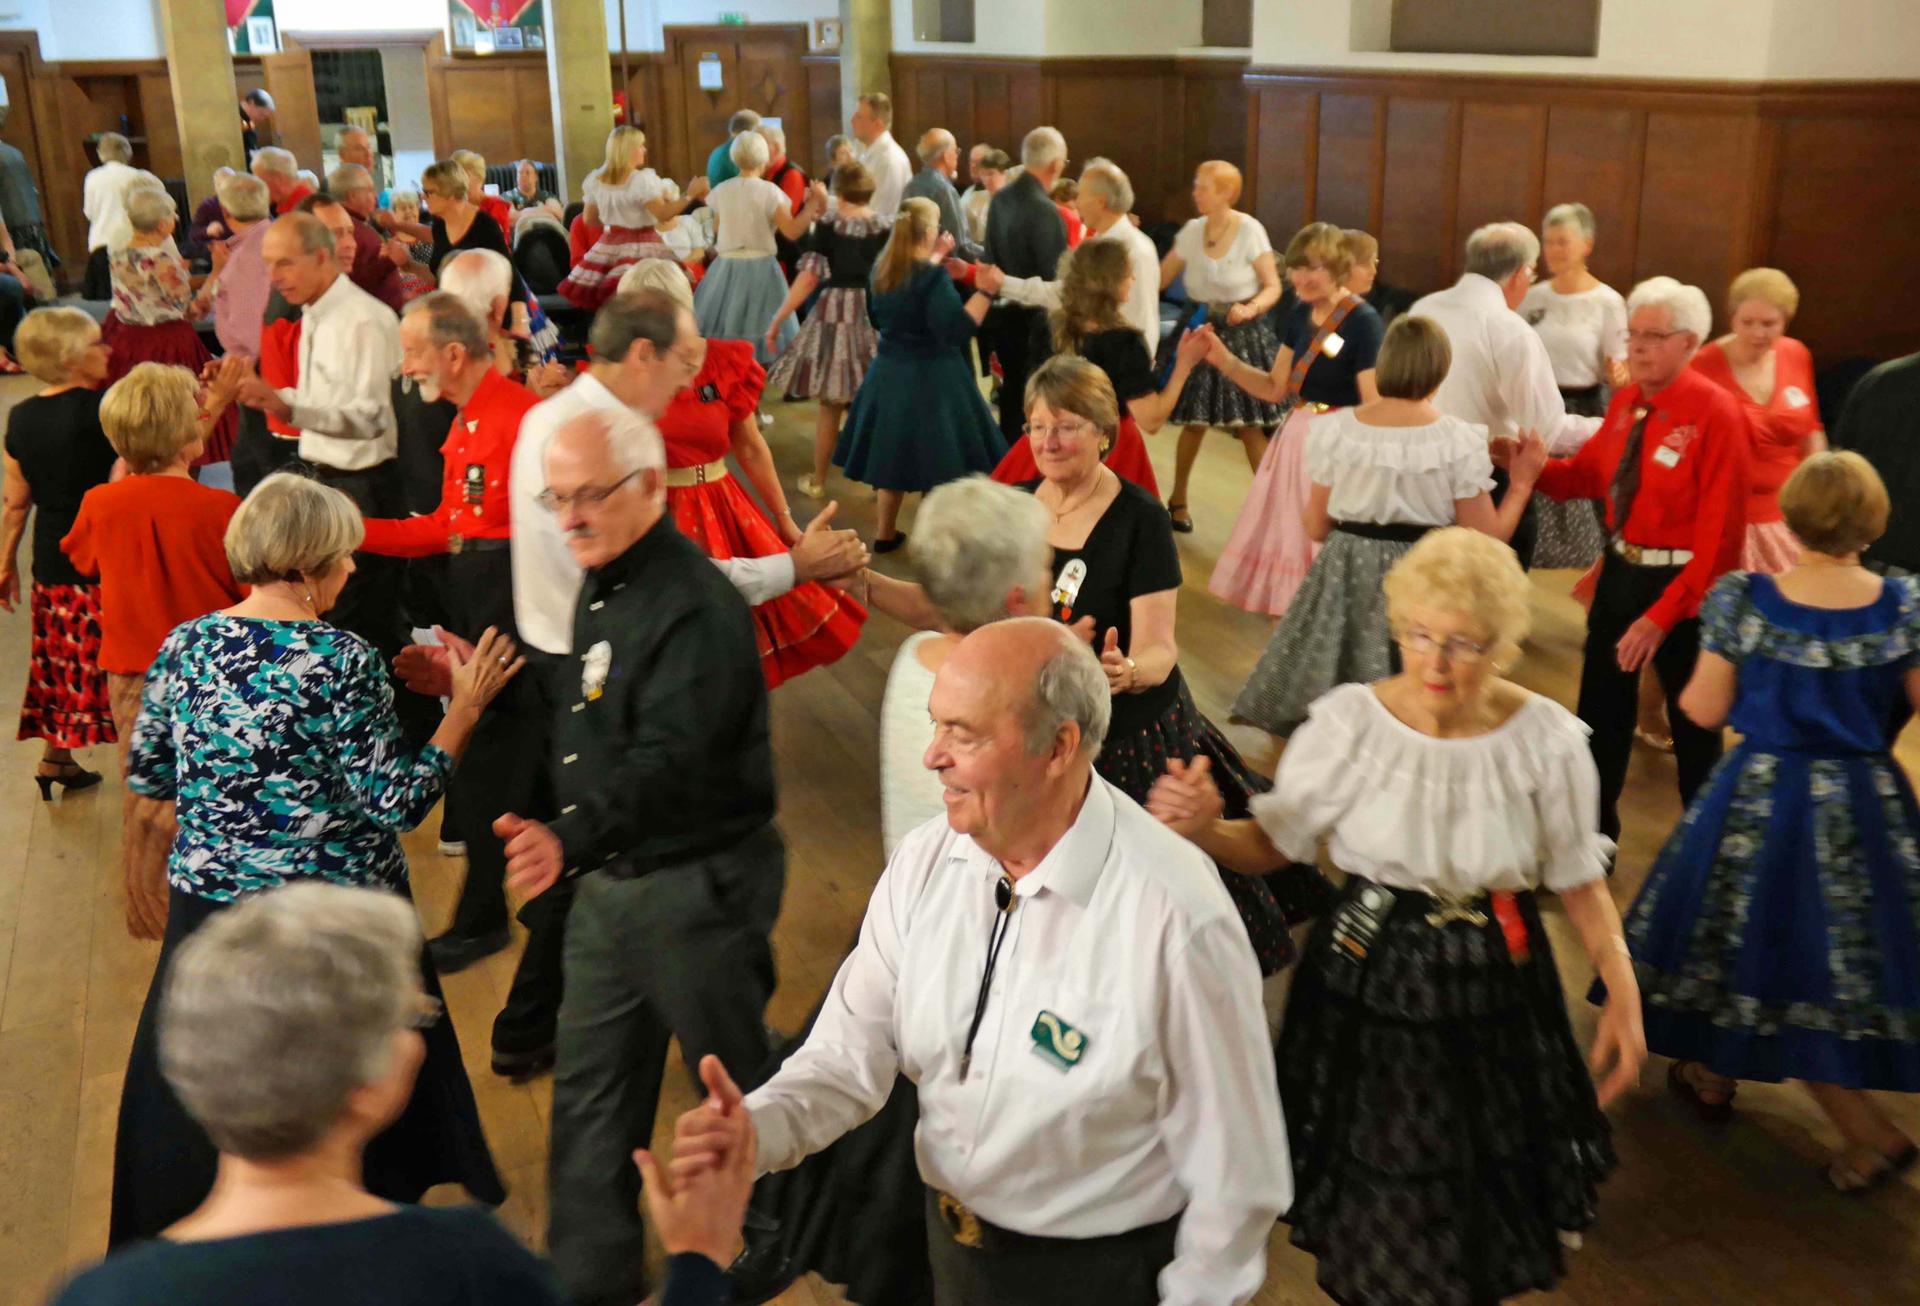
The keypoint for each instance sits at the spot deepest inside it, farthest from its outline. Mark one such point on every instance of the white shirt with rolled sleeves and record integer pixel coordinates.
(1501, 376)
(891, 172)
(1142, 309)
(103, 202)
(1123, 932)
(546, 579)
(349, 355)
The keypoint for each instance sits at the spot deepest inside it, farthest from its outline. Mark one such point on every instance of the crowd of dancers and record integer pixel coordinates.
(1106, 1020)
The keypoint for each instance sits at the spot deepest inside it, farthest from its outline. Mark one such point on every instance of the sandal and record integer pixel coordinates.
(1847, 1178)
(1685, 1087)
(1182, 519)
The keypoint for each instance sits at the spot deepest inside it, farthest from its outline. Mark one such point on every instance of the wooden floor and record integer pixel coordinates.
(1738, 1214)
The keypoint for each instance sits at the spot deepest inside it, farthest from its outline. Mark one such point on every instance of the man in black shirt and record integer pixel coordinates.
(1881, 423)
(1025, 238)
(664, 776)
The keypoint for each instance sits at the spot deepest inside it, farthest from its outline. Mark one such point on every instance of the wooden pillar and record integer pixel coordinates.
(205, 103)
(578, 71)
(866, 49)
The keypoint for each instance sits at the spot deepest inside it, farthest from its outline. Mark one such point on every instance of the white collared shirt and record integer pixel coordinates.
(891, 171)
(1122, 935)
(1501, 377)
(103, 200)
(349, 355)
(546, 579)
(1142, 309)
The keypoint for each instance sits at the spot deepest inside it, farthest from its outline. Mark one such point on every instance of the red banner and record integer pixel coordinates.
(238, 10)
(488, 13)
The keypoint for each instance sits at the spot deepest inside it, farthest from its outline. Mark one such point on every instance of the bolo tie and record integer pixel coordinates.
(1003, 901)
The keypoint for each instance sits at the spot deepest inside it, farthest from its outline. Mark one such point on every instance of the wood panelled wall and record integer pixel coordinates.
(500, 106)
(1693, 180)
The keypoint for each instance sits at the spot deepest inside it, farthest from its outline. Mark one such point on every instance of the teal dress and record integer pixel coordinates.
(919, 420)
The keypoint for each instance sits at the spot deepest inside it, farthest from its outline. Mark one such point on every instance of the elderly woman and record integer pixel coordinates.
(1583, 323)
(1363, 277)
(275, 737)
(1326, 361)
(741, 295)
(1773, 937)
(1227, 262)
(474, 165)
(1445, 1135)
(626, 200)
(455, 222)
(1771, 374)
(529, 194)
(55, 453)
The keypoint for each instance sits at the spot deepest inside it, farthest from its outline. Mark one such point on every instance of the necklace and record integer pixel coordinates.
(1067, 506)
(1218, 237)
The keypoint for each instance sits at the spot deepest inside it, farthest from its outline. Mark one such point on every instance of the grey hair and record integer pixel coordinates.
(403, 197)
(147, 208)
(291, 526)
(934, 145)
(348, 176)
(1577, 216)
(244, 197)
(1686, 305)
(743, 120)
(114, 148)
(361, 132)
(1109, 183)
(452, 321)
(278, 1008)
(271, 158)
(478, 278)
(774, 135)
(631, 440)
(315, 236)
(748, 151)
(1043, 147)
(976, 540)
(1500, 249)
(834, 144)
(664, 276)
(1070, 686)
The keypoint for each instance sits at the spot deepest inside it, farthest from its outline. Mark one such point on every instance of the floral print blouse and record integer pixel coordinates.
(150, 285)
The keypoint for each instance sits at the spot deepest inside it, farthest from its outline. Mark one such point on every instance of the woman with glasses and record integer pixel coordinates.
(273, 735)
(1447, 1140)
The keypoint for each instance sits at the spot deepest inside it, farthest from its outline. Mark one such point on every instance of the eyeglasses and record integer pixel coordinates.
(1651, 337)
(587, 496)
(1065, 430)
(1457, 649)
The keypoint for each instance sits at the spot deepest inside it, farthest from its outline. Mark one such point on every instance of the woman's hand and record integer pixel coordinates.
(1217, 352)
(790, 532)
(1528, 459)
(696, 190)
(1621, 1039)
(1240, 313)
(1122, 676)
(989, 280)
(1185, 799)
(1195, 346)
(9, 586)
(479, 678)
(773, 340)
(150, 828)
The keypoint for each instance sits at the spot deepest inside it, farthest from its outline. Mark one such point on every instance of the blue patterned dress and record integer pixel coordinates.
(1778, 934)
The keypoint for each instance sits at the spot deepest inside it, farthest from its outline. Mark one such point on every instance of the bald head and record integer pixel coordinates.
(606, 482)
(939, 151)
(1052, 676)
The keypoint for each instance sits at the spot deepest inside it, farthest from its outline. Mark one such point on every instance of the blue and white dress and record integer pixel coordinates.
(1778, 934)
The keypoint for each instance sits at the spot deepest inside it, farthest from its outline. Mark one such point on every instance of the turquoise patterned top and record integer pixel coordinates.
(278, 743)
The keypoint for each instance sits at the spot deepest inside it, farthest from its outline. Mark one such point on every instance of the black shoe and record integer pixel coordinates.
(765, 1269)
(522, 1066)
(891, 543)
(1176, 511)
(455, 952)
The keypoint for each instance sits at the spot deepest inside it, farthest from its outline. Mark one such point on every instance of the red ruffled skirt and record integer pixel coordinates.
(1127, 459)
(596, 277)
(66, 702)
(807, 627)
(175, 343)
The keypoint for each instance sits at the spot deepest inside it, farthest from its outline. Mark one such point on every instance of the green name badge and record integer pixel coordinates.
(1056, 1041)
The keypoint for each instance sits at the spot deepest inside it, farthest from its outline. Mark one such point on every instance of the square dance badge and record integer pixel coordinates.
(1055, 1041)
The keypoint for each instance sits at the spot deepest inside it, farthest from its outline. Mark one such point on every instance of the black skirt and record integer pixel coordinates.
(164, 1163)
(1443, 1126)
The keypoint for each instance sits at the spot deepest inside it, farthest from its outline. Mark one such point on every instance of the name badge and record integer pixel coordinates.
(474, 485)
(709, 393)
(594, 666)
(1057, 1042)
(1667, 457)
(1796, 397)
(1066, 590)
(1332, 346)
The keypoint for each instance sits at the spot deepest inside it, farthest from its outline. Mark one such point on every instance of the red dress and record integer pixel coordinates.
(1780, 430)
(1122, 355)
(809, 626)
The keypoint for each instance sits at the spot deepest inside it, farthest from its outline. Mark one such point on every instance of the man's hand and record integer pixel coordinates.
(988, 279)
(219, 252)
(534, 856)
(397, 252)
(699, 1203)
(428, 668)
(257, 394)
(710, 1135)
(1185, 799)
(824, 554)
(1194, 347)
(1641, 641)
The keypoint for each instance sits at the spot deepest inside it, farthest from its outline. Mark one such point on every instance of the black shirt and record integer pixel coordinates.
(1333, 379)
(1881, 423)
(482, 233)
(661, 744)
(849, 249)
(415, 1256)
(1122, 355)
(421, 428)
(1025, 236)
(62, 453)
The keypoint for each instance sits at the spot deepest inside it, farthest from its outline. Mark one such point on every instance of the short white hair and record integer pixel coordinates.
(244, 197)
(1043, 147)
(1686, 306)
(748, 151)
(774, 135)
(1500, 249)
(1109, 183)
(273, 159)
(975, 539)
(664, 275)
(1577, 216)
(346, 177)
(478, 277)
(148, 207)
(1070, 686)
(114, 148)
(633, 442)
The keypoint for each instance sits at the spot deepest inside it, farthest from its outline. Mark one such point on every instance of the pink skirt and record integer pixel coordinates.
(596, 278)
(1269, 552)
(1770, 547)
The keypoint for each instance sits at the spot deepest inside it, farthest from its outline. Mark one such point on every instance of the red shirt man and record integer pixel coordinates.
(473, 498)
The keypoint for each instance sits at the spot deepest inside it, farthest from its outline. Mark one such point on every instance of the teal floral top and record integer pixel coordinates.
(278, 743)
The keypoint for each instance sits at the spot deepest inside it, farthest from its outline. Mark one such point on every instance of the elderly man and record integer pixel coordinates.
(720, 164)
(241, 286)
(358, 147)
(665, 778)
(1099, 1121)
(376, 262)
(1104, 201)
(872, 127)
(1025, 238)
(1670, 465)
(939, 160)
(281, 171)
(103, 199)
(1881, 423)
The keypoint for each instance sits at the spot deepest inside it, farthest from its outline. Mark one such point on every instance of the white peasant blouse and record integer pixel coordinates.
(1409, 474)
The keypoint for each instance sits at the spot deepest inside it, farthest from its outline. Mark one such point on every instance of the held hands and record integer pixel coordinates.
(534, 856)
(1527, 459)
(428, 668)
(697, 189)
(221, 380)
(1122, 676)
(719, 1132)
(989, 280)
(1642, 641)
(1185, 799)
(822, 553)
(481, 671)
(1195, 347)
(257, 394)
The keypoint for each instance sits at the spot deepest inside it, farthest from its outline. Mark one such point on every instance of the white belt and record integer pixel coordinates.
(1640, 557)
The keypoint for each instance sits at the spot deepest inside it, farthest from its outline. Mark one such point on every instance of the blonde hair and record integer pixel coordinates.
(1360, 245)
(50, 341)
(148, 208)
(1067, 383)
(1461, 571)
(1320, 245)
(1223, 177)
(919, 218)
(291, 527)
(1090, 281)
(619, 161)
(151, 414)
(659, 274)
(474, 165)
(446, 179)
(1414, 358)
(1770, 285)
(1835, 502)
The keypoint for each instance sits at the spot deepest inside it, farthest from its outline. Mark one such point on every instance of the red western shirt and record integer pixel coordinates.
(1693, 482)
(473, 490)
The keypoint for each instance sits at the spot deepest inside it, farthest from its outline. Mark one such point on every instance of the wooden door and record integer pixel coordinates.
(288, 78)
(759, 67)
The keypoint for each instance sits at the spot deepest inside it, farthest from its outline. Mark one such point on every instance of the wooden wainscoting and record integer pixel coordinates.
(499, 106)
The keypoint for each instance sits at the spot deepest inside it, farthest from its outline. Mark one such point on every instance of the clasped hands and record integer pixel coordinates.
(1522, 457)
(698, 1201)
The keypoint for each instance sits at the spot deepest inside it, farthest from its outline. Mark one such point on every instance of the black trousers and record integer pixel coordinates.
(1609, 697)
(1119, 1270)
(1009, 330)
(97, 283)
(258, 453)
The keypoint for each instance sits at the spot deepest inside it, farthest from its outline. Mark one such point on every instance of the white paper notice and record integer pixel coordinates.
(710, 72)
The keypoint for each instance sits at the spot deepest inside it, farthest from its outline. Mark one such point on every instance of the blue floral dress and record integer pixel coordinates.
(1778, 934)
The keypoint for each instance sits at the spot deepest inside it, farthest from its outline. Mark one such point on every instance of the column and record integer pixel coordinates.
(866, 47)
(205, 105)
(581, 75)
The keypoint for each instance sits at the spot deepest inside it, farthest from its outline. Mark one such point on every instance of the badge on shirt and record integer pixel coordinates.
(1057, 1042)
(1796, 397)
(1066, 590)
(1332, 345)
(1667, 457)
(709, 393)
(594, 666)
(474, 485)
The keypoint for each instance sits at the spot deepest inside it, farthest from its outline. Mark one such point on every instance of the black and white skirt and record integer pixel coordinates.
(1443, 1125)
(1572, 532)
(1209, 398)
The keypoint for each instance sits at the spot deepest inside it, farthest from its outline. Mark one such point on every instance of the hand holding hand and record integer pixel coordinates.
(426, 669)
(1642, 641)
(1185, 799)
(397, 252)
(697, 189)
(822, 553)
(710, 1135)
(988, 279)
(1501, 449)
(534, 856)
(257, 394)
(1528, 460)
(1194, 347)
(480, 673)
(1121, 674)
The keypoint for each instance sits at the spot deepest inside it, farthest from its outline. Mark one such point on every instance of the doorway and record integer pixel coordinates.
(721, 70)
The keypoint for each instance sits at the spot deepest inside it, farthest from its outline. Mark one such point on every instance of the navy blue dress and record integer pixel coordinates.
(1778, 934)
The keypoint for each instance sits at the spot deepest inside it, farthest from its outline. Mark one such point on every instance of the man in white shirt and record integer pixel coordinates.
(1099, 1121)
(1104, 201)
(103, 199)
(871, 125)
(1501, 376)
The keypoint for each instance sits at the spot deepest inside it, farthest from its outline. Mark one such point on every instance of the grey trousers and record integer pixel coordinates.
(1120, 1270)
(682, 952)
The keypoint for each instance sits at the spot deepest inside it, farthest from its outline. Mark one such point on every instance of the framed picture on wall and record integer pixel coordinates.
(487, 26)
(261, 38)
(826, 33)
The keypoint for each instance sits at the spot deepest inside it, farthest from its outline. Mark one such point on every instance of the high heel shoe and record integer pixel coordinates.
(70, 775)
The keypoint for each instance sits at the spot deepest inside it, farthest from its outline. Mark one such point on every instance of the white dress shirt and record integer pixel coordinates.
(891, 172)
(546, 579)
(1501, 377)
(103, 199)
(1142, 309)
(1124, 933)
(349, 355)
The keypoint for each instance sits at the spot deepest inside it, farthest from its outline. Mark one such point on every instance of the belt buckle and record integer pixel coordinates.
(961, 1222)
(1448, 910)
(455, 543)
